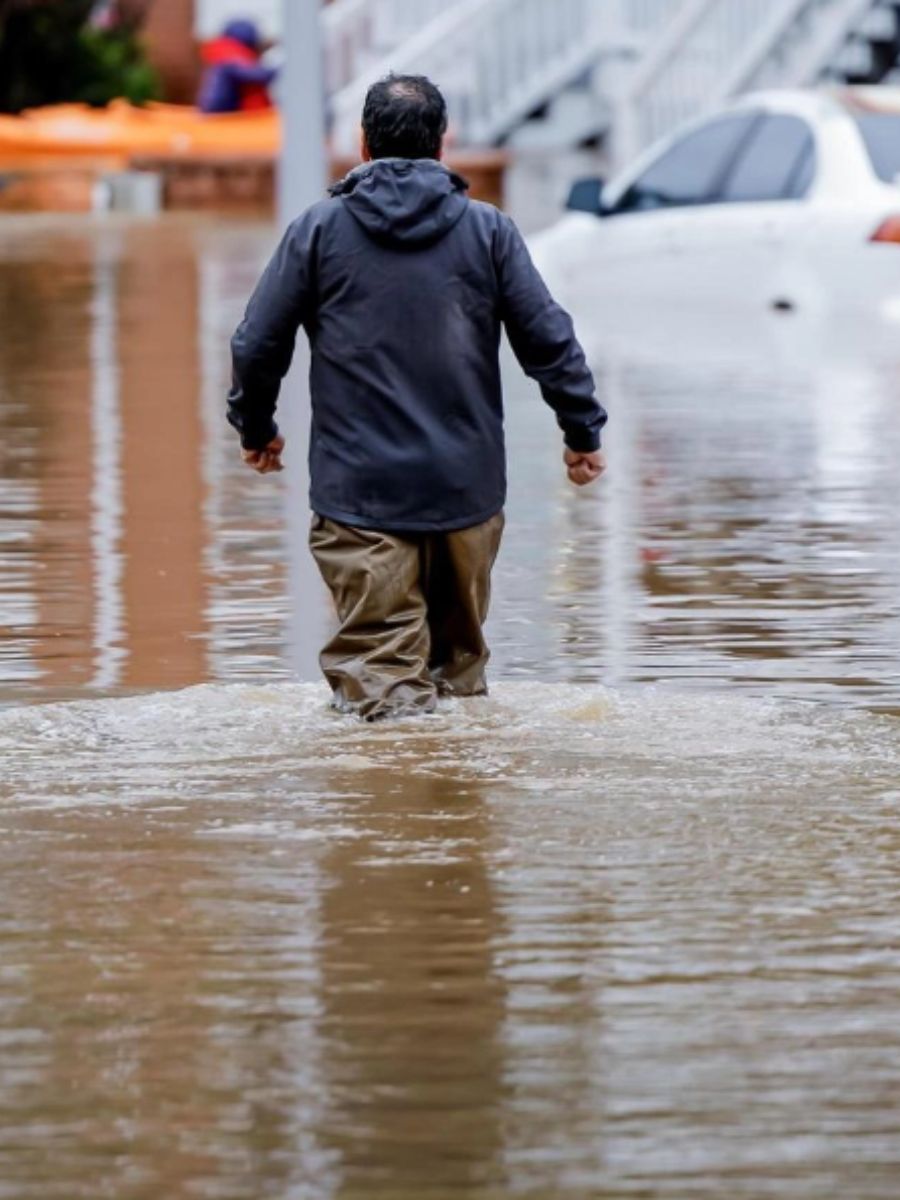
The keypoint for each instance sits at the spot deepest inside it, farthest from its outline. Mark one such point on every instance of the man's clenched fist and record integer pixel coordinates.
(584, 468)
(266, 460)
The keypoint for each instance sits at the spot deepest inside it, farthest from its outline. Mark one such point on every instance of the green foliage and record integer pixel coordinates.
(113, 64)
(49, 54)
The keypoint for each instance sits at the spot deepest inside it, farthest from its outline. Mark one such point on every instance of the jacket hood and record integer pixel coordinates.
(404, 201)
(245, 32)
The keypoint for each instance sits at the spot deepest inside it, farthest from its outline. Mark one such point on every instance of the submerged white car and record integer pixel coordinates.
(785, 201)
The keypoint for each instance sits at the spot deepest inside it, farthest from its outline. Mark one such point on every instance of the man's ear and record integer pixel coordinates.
(364, 148)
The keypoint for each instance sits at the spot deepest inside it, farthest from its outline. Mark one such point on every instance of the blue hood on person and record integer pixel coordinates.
(244, 32)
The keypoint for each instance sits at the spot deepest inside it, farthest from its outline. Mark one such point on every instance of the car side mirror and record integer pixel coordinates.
(586, 195)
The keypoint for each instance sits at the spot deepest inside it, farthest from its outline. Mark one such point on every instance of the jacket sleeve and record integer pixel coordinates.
(263, 344)
(251, 73)
(543, 340)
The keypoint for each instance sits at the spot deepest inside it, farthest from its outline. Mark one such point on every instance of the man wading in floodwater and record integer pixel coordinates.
(401, 284)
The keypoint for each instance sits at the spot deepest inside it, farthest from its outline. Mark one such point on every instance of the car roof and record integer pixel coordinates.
(811, 103)
(823, 101)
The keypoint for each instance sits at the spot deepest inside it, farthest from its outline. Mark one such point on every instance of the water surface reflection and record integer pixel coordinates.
(626, 928)
(554, 943)
(747, 534)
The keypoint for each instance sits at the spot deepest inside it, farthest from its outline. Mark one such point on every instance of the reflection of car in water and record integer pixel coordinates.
(785, 201)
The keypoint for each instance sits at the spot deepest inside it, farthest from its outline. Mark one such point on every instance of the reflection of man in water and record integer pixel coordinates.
(412, 1004)
(234, 78)
(401, 284)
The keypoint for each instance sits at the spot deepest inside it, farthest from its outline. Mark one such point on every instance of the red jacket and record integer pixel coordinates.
(234, 80)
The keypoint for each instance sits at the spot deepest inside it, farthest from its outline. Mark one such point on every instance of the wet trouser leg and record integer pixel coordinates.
(377, 662)
(456, 581)
(410, 610)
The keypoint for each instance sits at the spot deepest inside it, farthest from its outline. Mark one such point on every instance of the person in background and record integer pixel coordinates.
(402, 285)
(234, 77)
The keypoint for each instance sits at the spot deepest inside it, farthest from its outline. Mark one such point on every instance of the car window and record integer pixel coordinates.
(804, 173)
(768, 166)
(690, 170)
(881, 134)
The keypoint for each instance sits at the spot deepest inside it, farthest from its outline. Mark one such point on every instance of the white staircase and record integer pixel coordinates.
(495, 61)
(358, 34)
(715, 49)
(641, 66)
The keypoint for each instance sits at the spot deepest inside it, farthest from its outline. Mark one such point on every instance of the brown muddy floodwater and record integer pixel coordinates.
(629, 927)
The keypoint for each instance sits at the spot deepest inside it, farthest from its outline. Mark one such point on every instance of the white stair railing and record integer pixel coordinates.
(357, 33)
(494, 59)
(497, 60)
(715, 49)
(806, 59)
(650, 64)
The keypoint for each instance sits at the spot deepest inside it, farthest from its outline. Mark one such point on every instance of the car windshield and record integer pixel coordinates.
(881, 134)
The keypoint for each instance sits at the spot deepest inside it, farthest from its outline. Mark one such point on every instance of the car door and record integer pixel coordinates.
(743, 251)
(655, 217)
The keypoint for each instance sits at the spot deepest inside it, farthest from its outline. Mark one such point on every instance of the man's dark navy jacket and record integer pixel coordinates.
(402, 285)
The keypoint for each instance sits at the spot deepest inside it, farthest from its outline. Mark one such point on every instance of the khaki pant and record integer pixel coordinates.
(411, 609)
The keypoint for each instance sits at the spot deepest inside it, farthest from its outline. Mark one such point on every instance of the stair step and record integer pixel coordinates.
(574, 116)
(855, 58)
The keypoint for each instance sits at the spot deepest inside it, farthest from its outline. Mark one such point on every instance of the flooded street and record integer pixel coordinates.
(627, 927)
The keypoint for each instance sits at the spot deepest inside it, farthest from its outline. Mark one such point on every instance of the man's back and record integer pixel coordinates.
(402, 285)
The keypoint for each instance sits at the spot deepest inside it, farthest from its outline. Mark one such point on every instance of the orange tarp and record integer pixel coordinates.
(121, 129)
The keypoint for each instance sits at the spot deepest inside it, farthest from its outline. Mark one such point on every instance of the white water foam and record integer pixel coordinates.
(532, 735)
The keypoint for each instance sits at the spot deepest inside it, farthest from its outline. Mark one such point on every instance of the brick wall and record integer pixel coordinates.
(171, 40)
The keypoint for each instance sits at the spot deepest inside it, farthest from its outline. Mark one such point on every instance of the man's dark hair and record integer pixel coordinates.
(404, 116)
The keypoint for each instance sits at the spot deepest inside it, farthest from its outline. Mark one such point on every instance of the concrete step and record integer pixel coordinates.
(574, 117)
